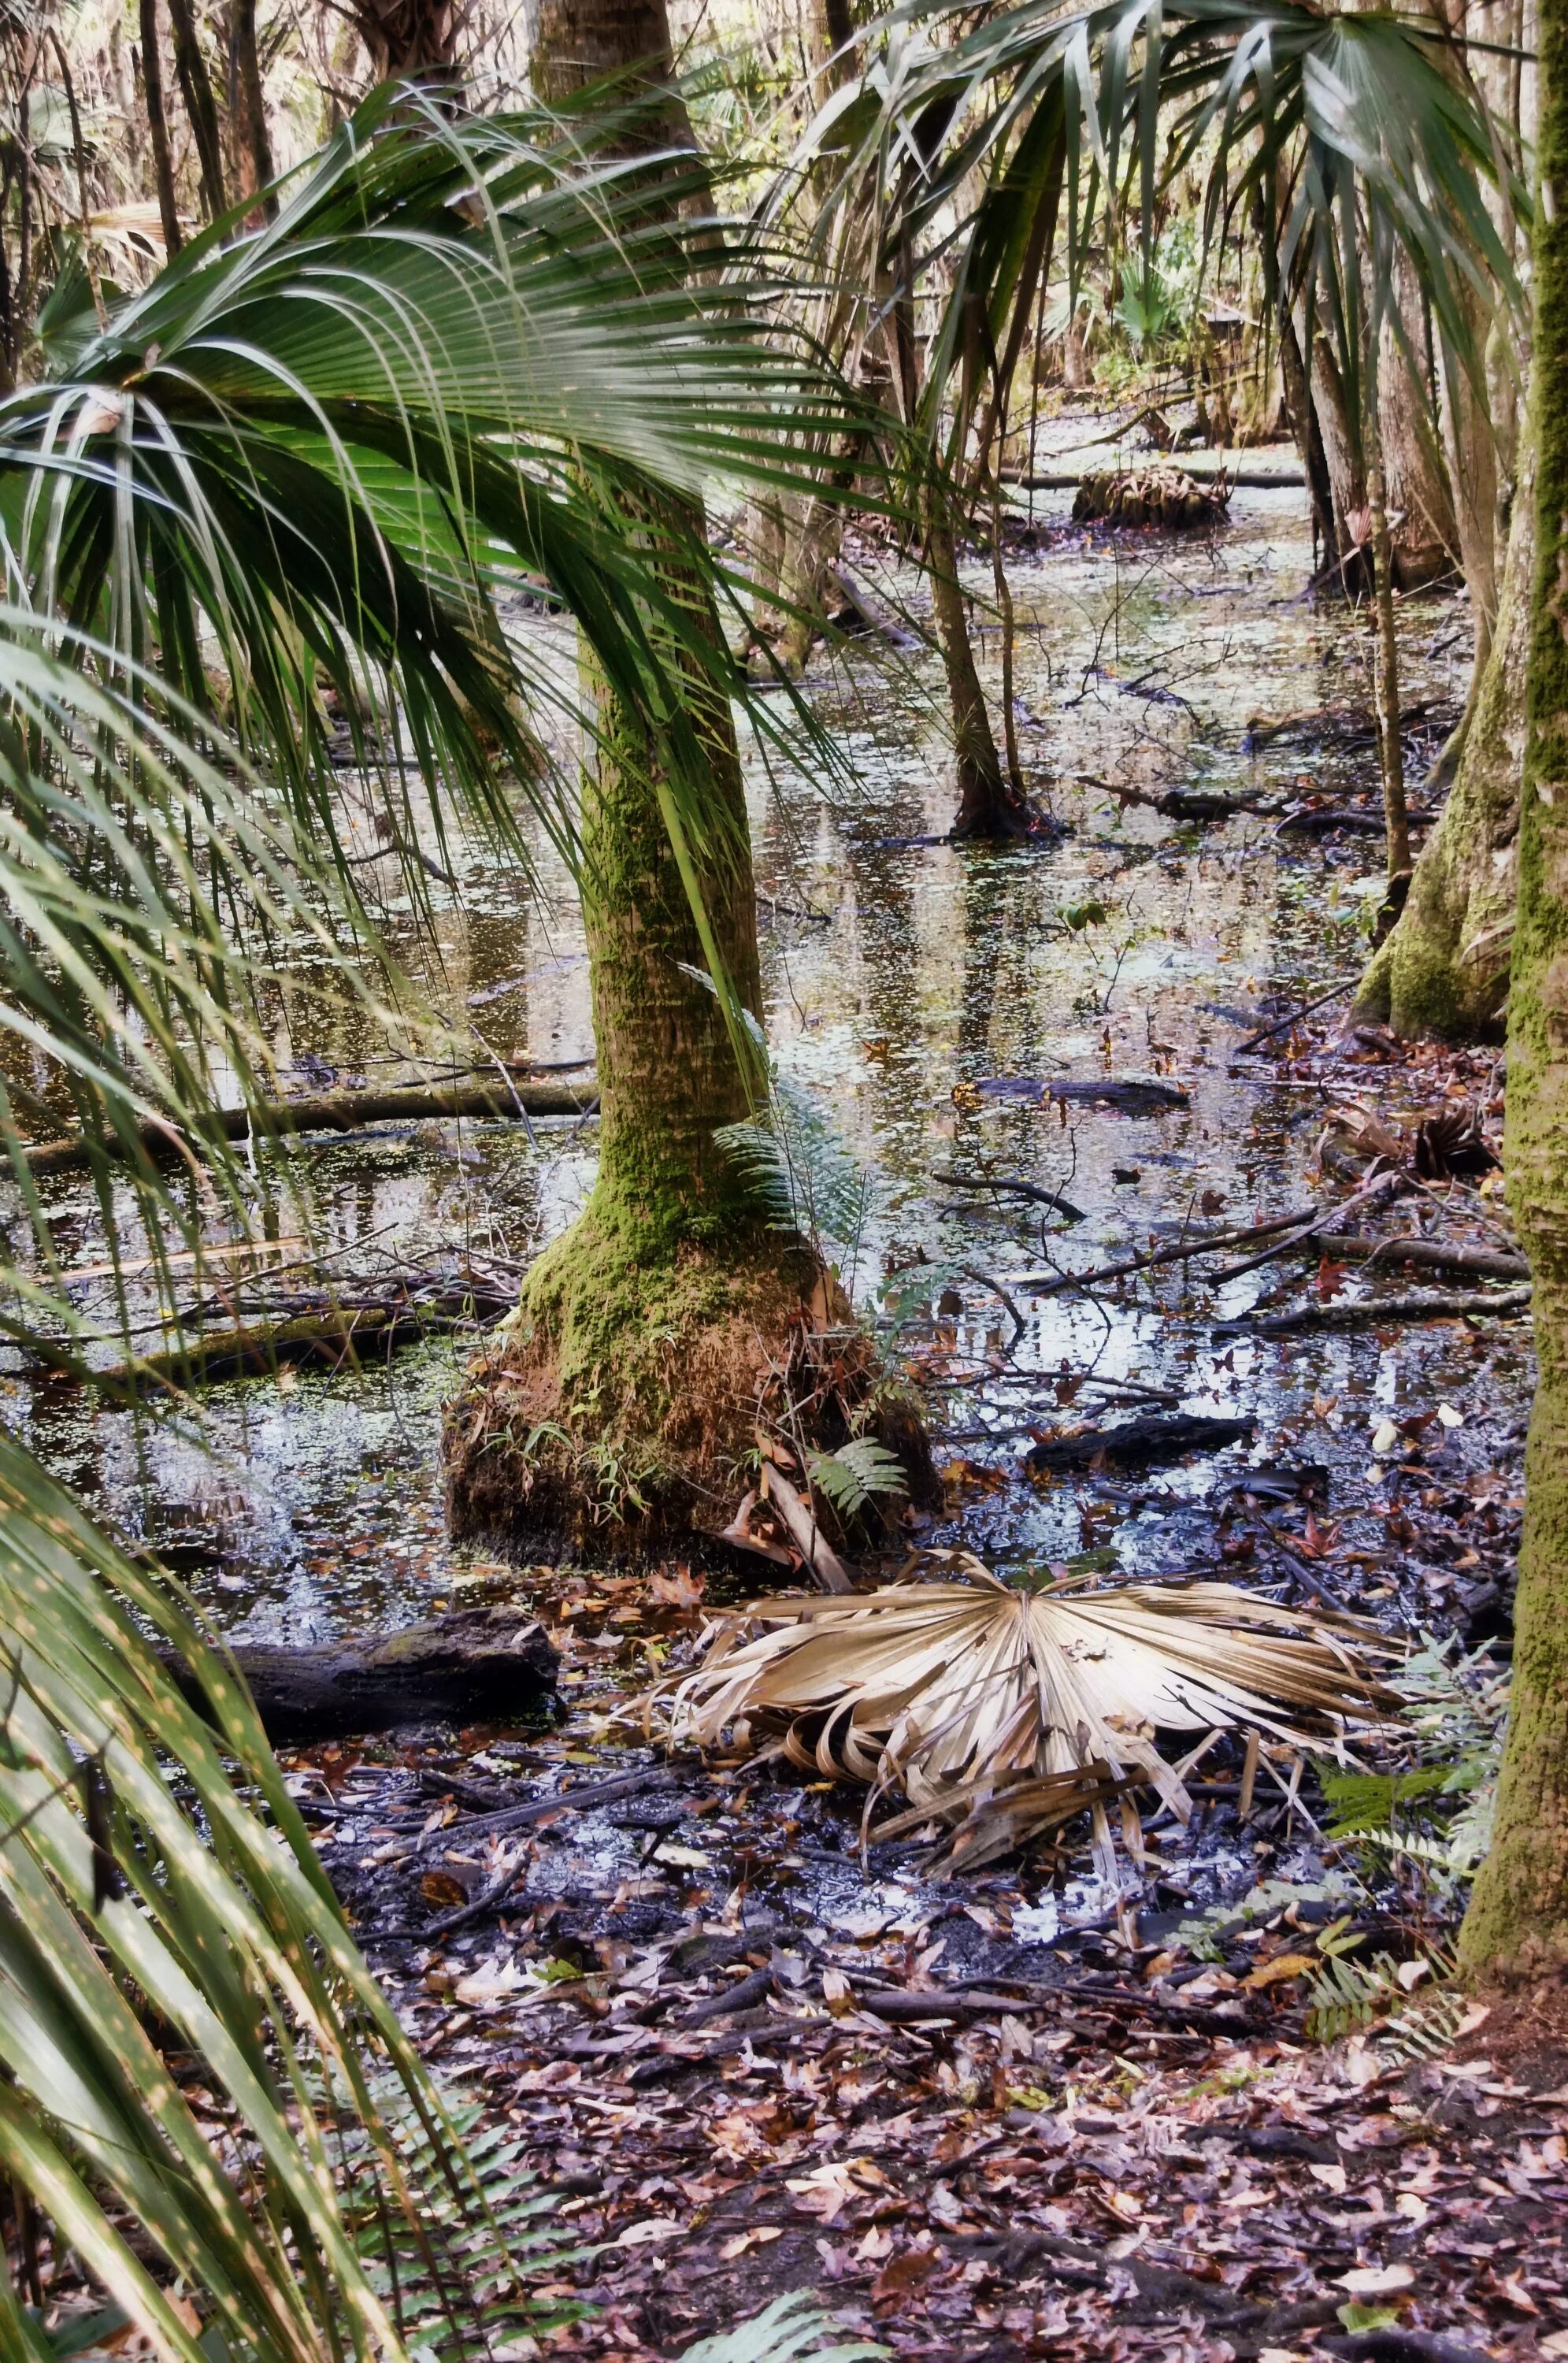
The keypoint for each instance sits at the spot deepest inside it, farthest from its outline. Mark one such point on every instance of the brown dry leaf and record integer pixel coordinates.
(438, 1887)
(1007, 1711)
(902, 2275)
(677, 1587)
(825, 2192)
(1283, 1966)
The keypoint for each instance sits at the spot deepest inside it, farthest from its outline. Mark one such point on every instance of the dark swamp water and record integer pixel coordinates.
(918, 990)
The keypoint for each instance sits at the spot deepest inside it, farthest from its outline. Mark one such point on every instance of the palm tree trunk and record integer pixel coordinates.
(1518, 1914)
(257, 148)
(158, 127)
(650, 1333)
(988, 807)
(1390, 748)
(1444, 970)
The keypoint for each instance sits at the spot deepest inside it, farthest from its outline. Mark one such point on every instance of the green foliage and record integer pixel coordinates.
(858, 1471)
(1349, 1996)
(794, 2327)
(1205, 1935)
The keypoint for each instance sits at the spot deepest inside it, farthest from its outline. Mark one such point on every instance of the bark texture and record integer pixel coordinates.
(1518, 1919)
(196, 83)
(616, 1412)
(988, 806)
(158, 127)
(1444, 970)
(477, 1663)
(410, 40)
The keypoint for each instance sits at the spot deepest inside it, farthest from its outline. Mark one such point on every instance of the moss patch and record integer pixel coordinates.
(619, 1413)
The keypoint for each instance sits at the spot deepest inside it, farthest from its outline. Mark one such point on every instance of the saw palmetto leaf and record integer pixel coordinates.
(317, 460)
(954, 1691)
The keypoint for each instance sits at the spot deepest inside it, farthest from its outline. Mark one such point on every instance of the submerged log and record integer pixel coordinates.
(478, 1664)
(345, 1111)
(1127, 1442)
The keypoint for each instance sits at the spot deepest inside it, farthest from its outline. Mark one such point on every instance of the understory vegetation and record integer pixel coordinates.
(784, 1437)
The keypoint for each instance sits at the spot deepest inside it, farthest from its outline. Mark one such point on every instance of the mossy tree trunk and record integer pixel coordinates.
(1444, 970)
(617, 1413)
(1518, 1920)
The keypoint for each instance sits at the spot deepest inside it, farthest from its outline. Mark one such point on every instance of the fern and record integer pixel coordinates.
(793, 2326)
(495, 2259)
(1348, 1996)
(802, 1173)
(851, 1476)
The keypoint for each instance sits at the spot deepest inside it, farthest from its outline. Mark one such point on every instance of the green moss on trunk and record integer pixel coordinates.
(1518, 1916)
(1444, 969)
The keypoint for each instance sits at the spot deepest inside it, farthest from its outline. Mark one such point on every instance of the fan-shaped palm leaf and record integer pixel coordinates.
(956, 1692)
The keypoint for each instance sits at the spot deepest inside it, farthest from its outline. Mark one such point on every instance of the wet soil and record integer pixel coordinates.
(1057, 2140)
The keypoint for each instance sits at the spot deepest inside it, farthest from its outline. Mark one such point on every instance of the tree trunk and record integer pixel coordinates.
(988, 807)
(1424, 535)
(1518, 1919)
(200, 105)
(410, 40)
(158, 127)
(257, 151)
(1444, 970)
(1390, 744)
(628, 1392)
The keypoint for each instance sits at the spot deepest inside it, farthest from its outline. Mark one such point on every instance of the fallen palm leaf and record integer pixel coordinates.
(1007, 1711)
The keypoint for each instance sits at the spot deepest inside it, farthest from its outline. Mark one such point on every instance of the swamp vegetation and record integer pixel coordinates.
(784, 1025)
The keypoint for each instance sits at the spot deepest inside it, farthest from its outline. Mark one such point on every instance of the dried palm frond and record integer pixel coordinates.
(970, 1695)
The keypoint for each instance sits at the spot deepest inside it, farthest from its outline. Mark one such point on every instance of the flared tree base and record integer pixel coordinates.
(618, 1416)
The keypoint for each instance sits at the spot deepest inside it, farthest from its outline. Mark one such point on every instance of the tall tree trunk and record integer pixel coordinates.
(1518, 1919)
(1424, 535)
(257, 149)
(988, 807)
(630, 1391)
(1444, 970)
(410, 40)
(1390, 744)
(158, 127)
(201, 105)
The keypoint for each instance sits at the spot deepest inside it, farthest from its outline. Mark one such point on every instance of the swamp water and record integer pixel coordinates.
(917, 991)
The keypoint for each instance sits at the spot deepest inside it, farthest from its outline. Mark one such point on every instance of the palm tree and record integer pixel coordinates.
(1518, 1920)
(316, 452)
(1347, 144)
(633, 1382)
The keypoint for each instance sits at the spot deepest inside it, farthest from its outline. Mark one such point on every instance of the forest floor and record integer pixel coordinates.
(999, 2112)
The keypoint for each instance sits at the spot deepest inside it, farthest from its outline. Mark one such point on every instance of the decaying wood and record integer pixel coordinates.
(506, 1095)
(1010, 1186)
(1160, 1436)
(1429, 1255)
(474, 1663)
(1373, 1312)
(335, 1337)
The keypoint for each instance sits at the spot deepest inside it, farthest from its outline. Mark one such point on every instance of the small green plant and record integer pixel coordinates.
(858, 1471)
(1204, 1937)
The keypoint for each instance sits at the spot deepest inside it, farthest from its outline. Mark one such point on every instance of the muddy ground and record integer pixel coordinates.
(1001, 2114)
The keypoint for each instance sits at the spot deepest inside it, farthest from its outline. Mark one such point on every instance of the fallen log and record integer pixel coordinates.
(329, 1339)
(344, 1110)
(1138, 1442)
(1373, 1312)
(1135, 1095)
(476, 1664)
(1429, 1255)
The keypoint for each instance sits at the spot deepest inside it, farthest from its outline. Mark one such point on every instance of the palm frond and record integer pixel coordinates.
(970, 1695)
(143, 1915)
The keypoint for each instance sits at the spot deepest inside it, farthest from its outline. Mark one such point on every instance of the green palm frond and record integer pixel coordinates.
(142, 1916)
(1034, 126)
(311, 463)
(793, 2329)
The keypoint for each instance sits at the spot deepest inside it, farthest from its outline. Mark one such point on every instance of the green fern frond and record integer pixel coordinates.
(850, 1476)
(794, 2327)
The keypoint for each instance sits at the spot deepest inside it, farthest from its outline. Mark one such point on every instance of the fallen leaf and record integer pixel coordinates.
(1411, 2203)
(910, 2270)
(651, 2229)
(757, 2237)
(825, 2192)
(1283, 1967)
(1375, 2280)
(680, 1589)
(1450, 1417)
(683, 1858)
(1332, 2177)
(1385, 1438)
